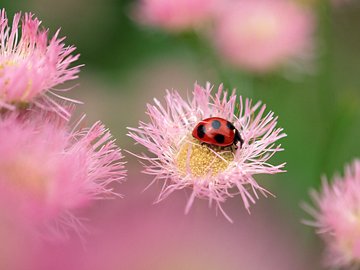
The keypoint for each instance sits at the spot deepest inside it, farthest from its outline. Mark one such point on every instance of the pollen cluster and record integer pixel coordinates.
(201, 160)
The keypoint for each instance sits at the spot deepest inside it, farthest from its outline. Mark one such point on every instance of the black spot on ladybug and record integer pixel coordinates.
(215, 124)
(219, 138)
(201, 131)
(230, 126)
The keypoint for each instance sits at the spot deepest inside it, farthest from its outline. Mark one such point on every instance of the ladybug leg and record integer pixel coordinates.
(237, 139)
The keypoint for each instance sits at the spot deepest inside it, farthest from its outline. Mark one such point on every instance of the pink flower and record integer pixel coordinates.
(160, 238)
(181, 161)
(174, 15)
(31, 65)
(337, 218)
(262, 35)
(48, 171)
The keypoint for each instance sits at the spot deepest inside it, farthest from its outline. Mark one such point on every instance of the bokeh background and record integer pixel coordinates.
(126, 66)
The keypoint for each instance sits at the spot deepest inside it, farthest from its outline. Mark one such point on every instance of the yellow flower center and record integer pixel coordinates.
(201, 160)
(25, 174)
(4, 92)
(349, 236)
(263, 27)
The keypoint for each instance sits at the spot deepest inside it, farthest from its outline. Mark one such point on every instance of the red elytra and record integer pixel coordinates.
(217, 131)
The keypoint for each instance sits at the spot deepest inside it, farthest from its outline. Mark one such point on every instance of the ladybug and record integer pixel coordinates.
(217, 131)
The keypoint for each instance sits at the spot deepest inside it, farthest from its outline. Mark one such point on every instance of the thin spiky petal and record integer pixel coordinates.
(31, 65)
(47, 171)
(336, 217)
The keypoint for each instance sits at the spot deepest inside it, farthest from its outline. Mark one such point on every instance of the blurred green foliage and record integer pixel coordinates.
(103, 31)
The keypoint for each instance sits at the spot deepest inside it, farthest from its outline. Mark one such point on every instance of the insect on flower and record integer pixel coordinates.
(217, 131)
(190, 144)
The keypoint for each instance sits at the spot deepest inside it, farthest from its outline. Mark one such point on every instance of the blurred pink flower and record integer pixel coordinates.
(161, 238)
(174, 15)
(337, 218)
(47, 171)
(31, 66)
(262, 35)
(180, 161)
